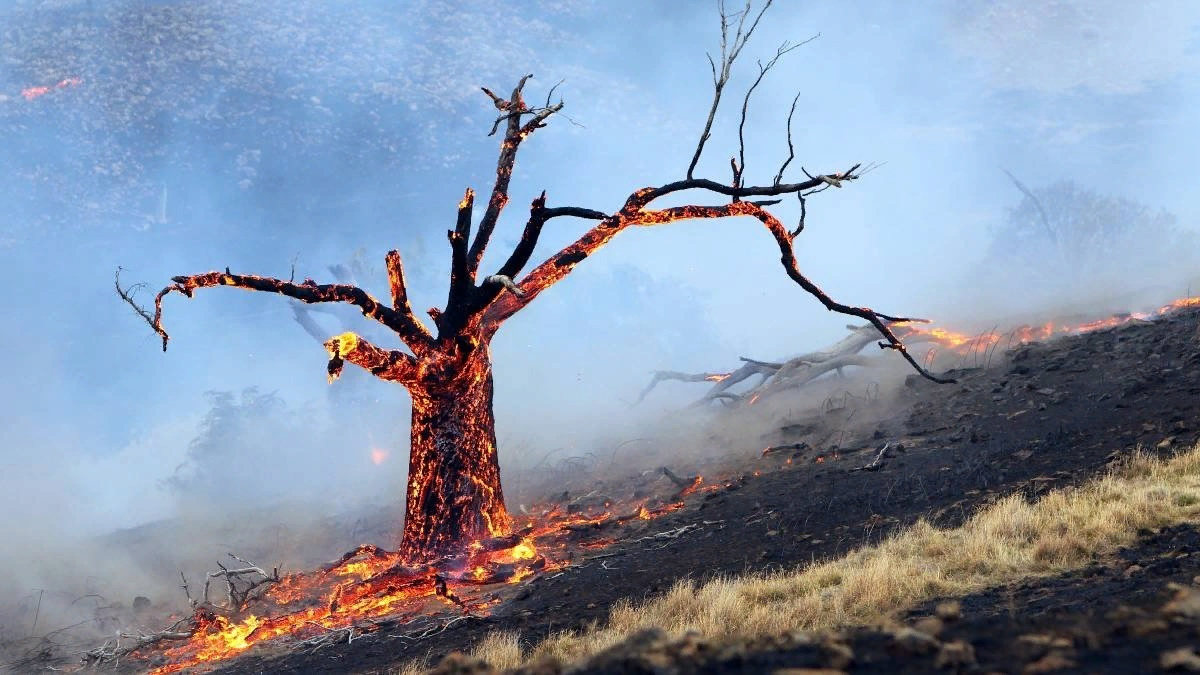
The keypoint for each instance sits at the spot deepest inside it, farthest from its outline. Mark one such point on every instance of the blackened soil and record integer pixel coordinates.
(1045, 416)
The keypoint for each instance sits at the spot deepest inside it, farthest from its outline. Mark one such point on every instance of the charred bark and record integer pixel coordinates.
(454, 493)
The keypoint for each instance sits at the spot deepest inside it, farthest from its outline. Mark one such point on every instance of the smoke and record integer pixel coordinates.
(270, 135)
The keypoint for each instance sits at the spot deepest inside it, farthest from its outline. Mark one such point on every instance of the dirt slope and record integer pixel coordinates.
(1051, 414)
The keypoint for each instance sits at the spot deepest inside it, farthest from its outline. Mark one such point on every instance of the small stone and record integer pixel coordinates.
(949, 611)
(1184, 658)
(1034, 646)
(913, 641)
(1048, 664)
(956, 654)
(930, 625)
(838, 655)
(1185, 605)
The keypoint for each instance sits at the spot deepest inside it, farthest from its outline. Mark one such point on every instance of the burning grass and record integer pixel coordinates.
(1008, 541)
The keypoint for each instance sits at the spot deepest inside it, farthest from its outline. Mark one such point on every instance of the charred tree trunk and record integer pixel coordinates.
(454, 494)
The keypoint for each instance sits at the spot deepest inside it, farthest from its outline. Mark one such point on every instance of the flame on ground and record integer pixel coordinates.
(30, 93)
(370, 583)
(965, 341)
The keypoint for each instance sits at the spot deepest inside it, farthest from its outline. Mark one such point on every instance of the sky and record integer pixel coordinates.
(364, 123)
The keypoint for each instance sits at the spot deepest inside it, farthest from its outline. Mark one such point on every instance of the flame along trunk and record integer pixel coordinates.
(454, 494)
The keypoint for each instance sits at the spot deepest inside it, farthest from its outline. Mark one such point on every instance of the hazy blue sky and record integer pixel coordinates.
(944, 94)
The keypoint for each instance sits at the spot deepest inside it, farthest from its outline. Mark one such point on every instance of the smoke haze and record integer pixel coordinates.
(260, 135)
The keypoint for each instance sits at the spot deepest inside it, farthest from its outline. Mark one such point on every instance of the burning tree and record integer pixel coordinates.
(454, 495)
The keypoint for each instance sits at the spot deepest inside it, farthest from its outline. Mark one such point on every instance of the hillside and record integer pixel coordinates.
(1043, 417)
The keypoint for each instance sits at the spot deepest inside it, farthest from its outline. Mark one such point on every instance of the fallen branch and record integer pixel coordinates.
(126, 643)
(790, 374)
(236, 598)
(878, 462)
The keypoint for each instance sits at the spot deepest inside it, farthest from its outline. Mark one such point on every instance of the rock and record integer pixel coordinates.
(837, 654)
(1035, 646)
(956, 654)
(1185, 606)
(950, 610)
(913, 641)
(930, 625)
(1048, 664)
(1184, 658)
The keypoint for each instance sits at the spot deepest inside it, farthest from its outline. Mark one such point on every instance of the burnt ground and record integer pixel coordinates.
(1045, 416)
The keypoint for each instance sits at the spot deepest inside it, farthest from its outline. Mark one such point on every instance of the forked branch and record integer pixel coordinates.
(403, 323)
(729, 54)
(559, 265)
(515, 132)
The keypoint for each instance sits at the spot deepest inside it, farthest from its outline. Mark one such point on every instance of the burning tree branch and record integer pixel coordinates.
(406, 326)
(514, 133)
(559, 265)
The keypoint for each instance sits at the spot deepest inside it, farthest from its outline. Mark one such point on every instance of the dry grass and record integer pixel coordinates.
(1005, 542)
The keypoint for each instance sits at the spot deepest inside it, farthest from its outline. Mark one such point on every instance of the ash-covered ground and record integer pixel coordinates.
(1042, 417)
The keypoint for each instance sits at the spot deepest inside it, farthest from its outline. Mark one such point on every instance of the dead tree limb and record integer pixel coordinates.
(792, 373)
(240, 583)
(126, 643)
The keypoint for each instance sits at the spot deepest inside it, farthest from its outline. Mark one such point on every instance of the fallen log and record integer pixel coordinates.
(790, 374)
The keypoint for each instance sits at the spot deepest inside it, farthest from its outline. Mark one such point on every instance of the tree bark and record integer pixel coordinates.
(454, 494)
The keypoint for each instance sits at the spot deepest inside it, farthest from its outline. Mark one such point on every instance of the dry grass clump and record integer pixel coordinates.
(1007, 541)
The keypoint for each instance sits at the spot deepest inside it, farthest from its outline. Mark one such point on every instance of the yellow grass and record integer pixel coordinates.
(1005, 542)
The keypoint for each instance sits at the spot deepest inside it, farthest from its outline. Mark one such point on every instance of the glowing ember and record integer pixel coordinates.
(31, 93)
(378, 456)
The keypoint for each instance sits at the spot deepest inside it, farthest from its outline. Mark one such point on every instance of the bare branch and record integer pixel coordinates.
(729, 54)
(1038, 204)
(404, 324)
(113, 650)
(663, 375)
(791, 148)
(762, 71)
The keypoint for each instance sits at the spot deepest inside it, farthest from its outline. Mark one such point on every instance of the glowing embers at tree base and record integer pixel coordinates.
(370, 586)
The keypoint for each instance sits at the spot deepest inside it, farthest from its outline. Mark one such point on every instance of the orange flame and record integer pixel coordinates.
(31, 93)
(1022, 334)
